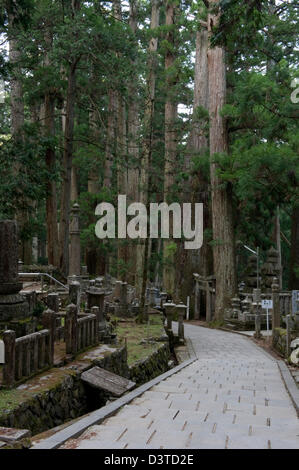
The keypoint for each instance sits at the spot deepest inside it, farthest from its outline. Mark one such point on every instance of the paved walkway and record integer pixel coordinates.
(232, 397)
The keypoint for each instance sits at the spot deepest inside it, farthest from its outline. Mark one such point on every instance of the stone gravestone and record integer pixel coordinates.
(295, 302)
(75, 253)
(13, 306)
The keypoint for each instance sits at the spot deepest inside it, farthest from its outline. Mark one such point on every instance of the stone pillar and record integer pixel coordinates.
(53, 302)
(152, 300)
(9, 339)
(34, 249)
(163, 297)
(84, 271)
(117, 290)
(12, 305)
(276, 305)
(71, 329)
(96, 311)
(246, 308)
(181, 309)
(289, 331)
(49, 323)
(74, 294)
(101, 323)
(124, 297)
(75, 250)
(256, 294)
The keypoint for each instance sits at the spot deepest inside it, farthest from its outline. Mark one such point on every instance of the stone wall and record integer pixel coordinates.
(152, 366)
(67, 399)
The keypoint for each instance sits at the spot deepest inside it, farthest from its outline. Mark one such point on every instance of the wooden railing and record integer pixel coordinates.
(26, 356)
(87, 332)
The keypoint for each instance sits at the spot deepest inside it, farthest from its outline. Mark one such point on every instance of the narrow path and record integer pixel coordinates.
(232, 397)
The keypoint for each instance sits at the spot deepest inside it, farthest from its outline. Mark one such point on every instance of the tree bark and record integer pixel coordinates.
(51, 200)
(222, 209)
(197, 261)
(17, 123)
(67, 159)
(294, 252)
(133, 148)
(143, 246)
(170, 141)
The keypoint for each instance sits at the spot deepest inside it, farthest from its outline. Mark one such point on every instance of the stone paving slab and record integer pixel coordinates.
(232, 397)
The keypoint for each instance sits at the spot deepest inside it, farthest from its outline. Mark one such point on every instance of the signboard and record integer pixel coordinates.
(295, 303)
(267, 304)
(2, 358)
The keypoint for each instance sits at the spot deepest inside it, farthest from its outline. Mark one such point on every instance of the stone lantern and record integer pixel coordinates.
(181, 309)
(95, 297)
(169, 309)
(152, 295)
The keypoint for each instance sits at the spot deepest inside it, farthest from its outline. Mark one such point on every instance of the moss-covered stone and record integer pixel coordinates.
(152, 366)
(61, 396)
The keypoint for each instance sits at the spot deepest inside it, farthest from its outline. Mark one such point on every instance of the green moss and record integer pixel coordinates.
(134, 333)
(281, 331)
(216, 324)
(24, 321)
(11, 399)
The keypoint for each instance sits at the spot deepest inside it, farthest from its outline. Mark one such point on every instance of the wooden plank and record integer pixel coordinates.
(105, 380)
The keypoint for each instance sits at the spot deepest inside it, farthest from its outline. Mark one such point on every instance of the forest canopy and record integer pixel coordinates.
(173, 100)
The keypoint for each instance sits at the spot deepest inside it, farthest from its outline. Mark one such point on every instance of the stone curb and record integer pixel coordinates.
(290, 384)
(98, 416)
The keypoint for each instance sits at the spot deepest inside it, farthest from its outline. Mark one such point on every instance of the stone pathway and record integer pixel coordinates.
(232, 397)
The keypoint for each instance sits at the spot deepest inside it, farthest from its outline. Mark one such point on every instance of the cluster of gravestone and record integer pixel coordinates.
(248, 307)
(77, 314)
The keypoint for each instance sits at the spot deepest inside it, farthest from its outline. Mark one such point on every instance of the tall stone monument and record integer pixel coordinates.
(75, 253)
(270, 269)
(13, 306)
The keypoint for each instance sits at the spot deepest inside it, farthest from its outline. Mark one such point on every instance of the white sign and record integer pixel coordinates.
(267, 304)
(2, 356)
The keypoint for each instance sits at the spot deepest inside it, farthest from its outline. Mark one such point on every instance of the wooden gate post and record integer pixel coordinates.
(49, 323)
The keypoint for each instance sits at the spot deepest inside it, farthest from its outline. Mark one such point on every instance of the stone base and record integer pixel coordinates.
(13, 306)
